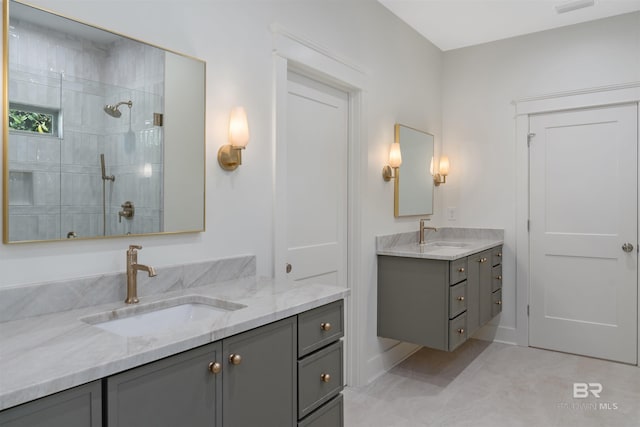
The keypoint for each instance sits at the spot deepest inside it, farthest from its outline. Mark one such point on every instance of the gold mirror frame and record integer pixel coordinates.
(199, 150)
(413, 184)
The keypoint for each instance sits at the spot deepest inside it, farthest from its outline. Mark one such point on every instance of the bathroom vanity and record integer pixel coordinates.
(274, 359)
(439, 294)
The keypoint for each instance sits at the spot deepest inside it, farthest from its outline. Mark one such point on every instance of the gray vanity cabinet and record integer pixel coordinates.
(436, 303)
(259, 376)
(77, 407)
(180, 390)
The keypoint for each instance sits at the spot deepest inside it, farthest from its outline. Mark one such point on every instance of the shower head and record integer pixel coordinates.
(113, 111)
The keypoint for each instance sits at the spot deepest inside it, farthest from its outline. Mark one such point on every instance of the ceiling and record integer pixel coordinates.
(451, 24)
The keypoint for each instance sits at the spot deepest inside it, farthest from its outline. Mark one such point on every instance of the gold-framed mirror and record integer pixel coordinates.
(413, 191)
(103, 135)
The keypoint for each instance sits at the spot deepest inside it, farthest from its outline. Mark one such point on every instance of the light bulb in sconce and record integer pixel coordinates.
(230, 155)
(440, 177)
(390, 171)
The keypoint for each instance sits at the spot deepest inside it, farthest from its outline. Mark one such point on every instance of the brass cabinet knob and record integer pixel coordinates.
(461, 331)
(325, 326)
(499, 277)
(460, 298)
(325, 378)
(215, 367)
(482, 260)
(499, 302)
(461, 270)
(235, 359)
(499, 254)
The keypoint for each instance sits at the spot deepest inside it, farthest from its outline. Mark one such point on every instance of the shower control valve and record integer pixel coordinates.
(128, 211)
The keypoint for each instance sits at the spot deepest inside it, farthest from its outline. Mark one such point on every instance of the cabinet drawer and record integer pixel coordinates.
(457, 331)
(496, 278)
(319, 327)
(329, 415)
(496, 255)
(457, 271)
(319, 378)
(496, 302)
(457, 299)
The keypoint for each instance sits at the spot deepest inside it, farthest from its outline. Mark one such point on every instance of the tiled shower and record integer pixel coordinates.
(55, 181)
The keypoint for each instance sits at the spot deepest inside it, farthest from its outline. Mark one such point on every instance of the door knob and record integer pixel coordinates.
(627, 247)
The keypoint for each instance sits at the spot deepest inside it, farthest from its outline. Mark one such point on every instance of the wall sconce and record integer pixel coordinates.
(390, 171)
(230, 155)
(440, 177)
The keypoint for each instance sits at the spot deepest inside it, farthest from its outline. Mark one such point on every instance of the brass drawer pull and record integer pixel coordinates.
(461, 270)
(215, 367)
(460, 298)
(325, 378)
(499, 302)
(461, 331)
(235, 359)
(325, 326)
(499, 277)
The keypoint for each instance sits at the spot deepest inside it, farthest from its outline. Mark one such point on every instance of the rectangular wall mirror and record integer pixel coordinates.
(103, 135)
(414, 183)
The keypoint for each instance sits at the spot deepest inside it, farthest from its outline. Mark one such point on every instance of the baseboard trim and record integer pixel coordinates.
(383, 362)
(497, 333)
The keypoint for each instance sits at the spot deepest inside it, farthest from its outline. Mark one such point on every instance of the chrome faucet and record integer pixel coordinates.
(132, 273)
(422, 228)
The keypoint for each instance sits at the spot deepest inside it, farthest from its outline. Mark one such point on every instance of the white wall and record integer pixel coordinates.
(232, 36)
(478, 119)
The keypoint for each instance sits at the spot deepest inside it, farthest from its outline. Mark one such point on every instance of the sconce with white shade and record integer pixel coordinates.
(440, 176)
(230, 155)
(390, 171)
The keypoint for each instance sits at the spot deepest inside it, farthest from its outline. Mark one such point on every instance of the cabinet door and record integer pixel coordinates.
(485, 284)
(473, 293)
(259, 387)
(77, 407)
(177, 391)
(479, 282)
(413, 300)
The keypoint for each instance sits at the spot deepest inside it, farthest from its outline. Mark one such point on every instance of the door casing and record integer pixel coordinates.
(295, 53)
(593, 97)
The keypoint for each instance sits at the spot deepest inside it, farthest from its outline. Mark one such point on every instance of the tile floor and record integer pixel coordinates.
(495, 385)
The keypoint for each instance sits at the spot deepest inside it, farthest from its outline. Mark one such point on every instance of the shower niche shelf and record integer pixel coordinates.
(20, 188)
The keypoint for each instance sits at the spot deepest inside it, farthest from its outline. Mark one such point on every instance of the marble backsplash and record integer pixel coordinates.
(52, 297)
(444, 233)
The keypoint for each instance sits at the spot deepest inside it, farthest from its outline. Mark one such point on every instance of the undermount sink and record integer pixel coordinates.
(161, 316)
(445, 244)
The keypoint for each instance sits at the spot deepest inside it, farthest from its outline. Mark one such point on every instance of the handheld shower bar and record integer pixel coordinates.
(111, 178)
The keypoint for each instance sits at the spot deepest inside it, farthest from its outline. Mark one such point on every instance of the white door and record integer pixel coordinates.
(315, 211)
(583, 209)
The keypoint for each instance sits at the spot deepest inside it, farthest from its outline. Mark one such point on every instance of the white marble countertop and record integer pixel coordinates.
(446, 244)
(440, 250)
(53, 352)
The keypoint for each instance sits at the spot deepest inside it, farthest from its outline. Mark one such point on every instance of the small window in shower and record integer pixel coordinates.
(29, 118)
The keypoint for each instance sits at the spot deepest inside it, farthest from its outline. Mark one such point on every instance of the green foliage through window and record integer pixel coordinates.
(31, 121)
